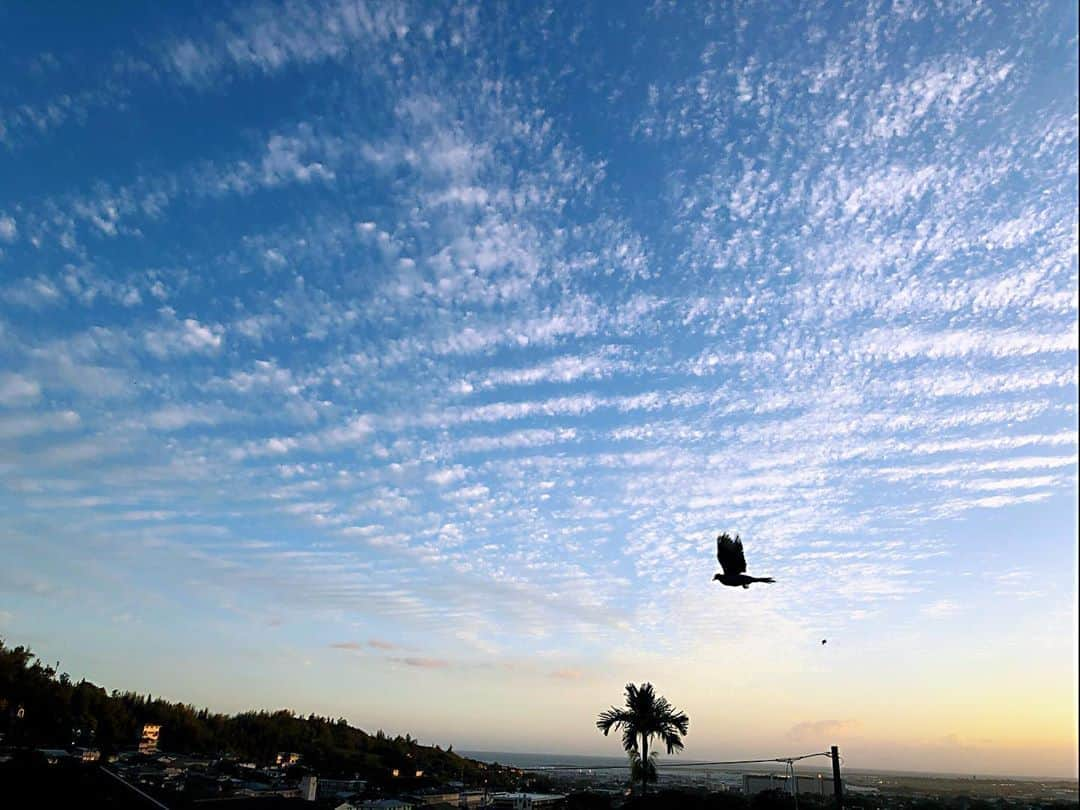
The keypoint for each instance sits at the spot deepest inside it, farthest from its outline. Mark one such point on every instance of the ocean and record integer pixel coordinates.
(520, 760)
(732, 772)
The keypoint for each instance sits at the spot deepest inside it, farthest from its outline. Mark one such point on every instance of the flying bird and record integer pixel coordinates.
(730, 554)
(824, 640)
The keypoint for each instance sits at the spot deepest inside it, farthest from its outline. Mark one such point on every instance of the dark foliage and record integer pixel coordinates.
(665, 799)
(57, 712)
(586, 800)
(28, 781)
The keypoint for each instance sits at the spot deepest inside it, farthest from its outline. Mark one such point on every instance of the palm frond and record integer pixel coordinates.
(630, 738)
(672, 741)
(610, 719)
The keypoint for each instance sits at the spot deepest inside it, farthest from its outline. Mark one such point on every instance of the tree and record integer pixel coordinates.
(645, 716)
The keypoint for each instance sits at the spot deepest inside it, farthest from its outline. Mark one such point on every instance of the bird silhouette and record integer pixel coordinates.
(730, 554)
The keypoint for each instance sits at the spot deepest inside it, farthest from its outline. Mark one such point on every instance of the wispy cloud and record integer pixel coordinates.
(422, 663)
(817, 730)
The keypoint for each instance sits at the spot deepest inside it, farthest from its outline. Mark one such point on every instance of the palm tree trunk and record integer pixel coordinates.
(644, 764)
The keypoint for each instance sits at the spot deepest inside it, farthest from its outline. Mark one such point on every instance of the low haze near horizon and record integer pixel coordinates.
(403, 361)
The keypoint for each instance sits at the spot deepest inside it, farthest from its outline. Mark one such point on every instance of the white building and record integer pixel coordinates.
(526, 801)
(817, 785)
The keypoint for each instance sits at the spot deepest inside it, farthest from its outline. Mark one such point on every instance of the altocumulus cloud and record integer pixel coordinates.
(414, 356)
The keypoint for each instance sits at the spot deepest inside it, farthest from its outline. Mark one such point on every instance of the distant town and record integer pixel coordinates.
(64, 743)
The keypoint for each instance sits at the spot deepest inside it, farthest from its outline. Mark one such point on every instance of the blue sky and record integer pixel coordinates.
(403, 361)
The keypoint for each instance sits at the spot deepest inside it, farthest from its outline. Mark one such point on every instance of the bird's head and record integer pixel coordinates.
(716, 576)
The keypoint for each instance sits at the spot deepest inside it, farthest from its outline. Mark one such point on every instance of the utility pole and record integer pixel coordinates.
(838, 785)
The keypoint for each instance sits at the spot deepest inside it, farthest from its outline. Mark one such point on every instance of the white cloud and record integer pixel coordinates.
(178, 417)
(447, 476)
(563, 369)
(936, 94)
(8, 228)
(17, 389)
(515, 440)
(907, 343)
(17, 427)
(356, 429)
(999, 465)
(283, 161)
(268, 38)
(176, 337)
(35, 293)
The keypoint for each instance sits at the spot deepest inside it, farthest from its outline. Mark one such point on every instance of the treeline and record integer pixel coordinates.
(40, 707)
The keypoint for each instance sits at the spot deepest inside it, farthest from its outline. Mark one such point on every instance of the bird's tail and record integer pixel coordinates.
(762, 579)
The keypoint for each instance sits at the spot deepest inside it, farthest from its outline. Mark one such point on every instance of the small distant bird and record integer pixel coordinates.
(824, 640)
(730, 554)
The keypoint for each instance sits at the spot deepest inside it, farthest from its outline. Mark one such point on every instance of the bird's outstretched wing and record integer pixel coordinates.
(730, 554)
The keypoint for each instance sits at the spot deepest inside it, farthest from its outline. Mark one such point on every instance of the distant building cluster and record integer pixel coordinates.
(461, 799)
(199, 778)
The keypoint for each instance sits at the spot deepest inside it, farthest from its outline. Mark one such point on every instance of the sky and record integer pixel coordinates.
(402, 361)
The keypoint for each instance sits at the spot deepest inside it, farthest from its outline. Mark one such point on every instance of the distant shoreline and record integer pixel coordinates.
(530, 759)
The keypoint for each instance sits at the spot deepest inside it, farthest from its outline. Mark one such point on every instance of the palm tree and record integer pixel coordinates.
(645, 716)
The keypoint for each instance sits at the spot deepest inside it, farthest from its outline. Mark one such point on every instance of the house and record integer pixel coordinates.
(340, 788)
(148, 738)
(54, 755)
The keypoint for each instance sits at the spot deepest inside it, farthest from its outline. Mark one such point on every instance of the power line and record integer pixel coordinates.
(771, 760)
